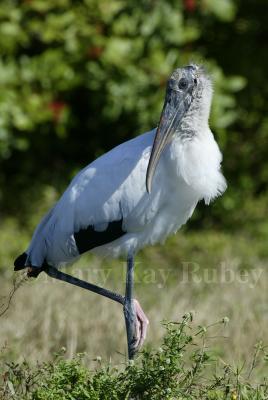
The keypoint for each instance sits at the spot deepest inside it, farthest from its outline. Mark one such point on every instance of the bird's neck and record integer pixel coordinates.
(195, 122)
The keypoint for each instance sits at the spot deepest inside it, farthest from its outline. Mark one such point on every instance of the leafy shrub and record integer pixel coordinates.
(182, 368)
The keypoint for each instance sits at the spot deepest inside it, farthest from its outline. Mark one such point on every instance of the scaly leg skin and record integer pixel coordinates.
(136, 320)
(129, 311)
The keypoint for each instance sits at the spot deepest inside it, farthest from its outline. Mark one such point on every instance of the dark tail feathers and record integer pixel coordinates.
(20, 261)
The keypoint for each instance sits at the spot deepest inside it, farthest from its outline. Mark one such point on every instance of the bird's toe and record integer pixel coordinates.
(142, 323)
(33, 272)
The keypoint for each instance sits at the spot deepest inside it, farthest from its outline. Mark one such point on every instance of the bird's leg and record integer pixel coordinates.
(62, 276)
(129, 310)
(136, 320)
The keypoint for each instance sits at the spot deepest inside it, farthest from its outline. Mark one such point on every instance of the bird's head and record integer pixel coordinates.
(188, 98)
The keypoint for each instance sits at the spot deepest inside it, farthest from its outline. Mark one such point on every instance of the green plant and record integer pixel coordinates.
(182, 368)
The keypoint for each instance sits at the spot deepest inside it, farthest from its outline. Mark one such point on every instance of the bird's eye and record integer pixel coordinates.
(183, 83)
(195, 81)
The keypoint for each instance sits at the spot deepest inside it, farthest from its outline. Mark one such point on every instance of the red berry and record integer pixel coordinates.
(190, 5)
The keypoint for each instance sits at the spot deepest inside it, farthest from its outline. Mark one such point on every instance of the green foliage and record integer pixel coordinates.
(182, 368)
(78, 78)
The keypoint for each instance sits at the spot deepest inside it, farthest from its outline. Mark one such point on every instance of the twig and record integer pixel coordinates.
(17, 282)
(258, 349)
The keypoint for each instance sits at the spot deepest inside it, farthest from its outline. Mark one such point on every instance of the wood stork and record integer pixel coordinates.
(135, 195)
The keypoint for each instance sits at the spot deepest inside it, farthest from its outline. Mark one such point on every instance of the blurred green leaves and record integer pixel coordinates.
(223, 9)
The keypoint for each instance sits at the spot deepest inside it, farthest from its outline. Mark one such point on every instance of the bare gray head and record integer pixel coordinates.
(188, 96)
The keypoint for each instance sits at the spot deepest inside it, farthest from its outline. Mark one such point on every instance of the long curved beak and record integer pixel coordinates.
(174, 109)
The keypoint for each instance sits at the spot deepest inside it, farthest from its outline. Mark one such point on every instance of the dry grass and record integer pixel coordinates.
(46, 315)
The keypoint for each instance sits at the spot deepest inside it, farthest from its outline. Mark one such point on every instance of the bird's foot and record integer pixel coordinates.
(33, 272)
(136, 325)
(142, 323)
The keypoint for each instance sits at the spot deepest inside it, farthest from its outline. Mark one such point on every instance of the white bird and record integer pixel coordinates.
(135, 195)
